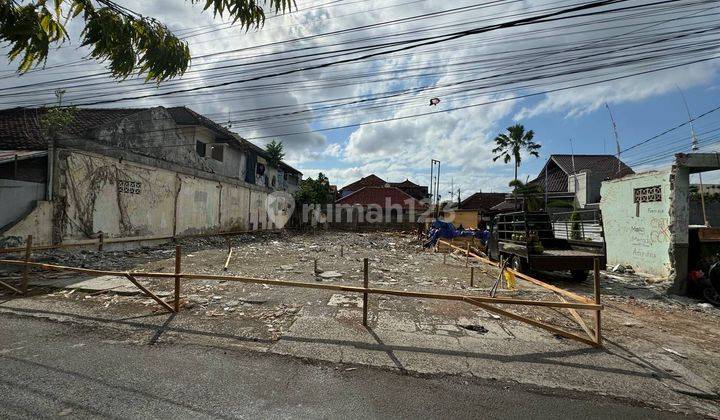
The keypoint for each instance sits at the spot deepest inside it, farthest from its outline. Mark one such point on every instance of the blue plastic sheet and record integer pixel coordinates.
(441, 229)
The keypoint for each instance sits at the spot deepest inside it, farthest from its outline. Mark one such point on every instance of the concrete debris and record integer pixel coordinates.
(671, 351)
(477, 328)
(330, 274)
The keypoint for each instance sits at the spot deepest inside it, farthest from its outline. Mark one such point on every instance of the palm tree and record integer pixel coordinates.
(510, 145)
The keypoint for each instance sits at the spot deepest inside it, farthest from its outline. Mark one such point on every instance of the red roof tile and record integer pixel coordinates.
(381, 196)
(371, 180)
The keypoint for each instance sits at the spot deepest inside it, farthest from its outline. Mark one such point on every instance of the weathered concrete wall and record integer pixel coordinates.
(37, 223)
(235, 205)
(18, 198)
(642, 241)
(125, 199)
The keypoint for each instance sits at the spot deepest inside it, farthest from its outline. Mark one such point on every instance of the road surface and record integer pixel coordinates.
(51, 369)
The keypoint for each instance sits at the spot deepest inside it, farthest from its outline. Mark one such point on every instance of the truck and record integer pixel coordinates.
(530, 241)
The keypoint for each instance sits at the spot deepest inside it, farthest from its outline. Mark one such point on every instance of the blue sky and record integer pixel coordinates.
(461, 138)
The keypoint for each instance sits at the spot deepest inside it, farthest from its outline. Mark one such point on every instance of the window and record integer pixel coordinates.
(260, 169)
(216, 152)
(128, 187)
(648, 194)
(200, 148)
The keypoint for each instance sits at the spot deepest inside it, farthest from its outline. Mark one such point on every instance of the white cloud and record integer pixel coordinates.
(396, 149)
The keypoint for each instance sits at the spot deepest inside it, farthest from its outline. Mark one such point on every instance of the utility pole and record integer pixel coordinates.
(434, 163)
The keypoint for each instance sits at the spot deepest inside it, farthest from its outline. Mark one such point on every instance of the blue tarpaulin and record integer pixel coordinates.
(440, 229)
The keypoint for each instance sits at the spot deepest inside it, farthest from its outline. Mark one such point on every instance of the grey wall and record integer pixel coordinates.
(18, 198)
(712, 208)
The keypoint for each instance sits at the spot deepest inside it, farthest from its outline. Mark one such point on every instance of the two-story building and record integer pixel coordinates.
(144, 172)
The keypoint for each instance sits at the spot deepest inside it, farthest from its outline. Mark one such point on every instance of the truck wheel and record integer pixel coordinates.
(711, 295)
(579, 275)
(517, 264)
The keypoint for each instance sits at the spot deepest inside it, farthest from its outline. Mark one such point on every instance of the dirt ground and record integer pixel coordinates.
(638, 313)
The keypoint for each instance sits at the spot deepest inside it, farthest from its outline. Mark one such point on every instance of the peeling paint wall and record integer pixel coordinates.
(37, 223)
(125, 199)
(639, 236)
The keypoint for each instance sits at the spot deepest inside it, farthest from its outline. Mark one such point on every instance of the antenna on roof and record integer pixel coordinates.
(617, 139)
(694, 147)
(575, 180)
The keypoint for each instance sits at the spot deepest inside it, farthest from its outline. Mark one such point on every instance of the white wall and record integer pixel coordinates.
(642, 241)
(93, 192)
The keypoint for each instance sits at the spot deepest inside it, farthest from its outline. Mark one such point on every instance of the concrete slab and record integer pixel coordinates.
(116, 284)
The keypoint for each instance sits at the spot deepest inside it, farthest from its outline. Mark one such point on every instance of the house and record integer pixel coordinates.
(578, 177)
(379, 205)
(419, 192)
(476, 210)
(371, 180)
(652, 223)
(130, 172)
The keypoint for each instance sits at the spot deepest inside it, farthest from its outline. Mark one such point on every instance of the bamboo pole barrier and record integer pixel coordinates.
(178, 261)
(365, 294)
(467, 255)
(579, 320)
(336, 287)
(26, 269)
(532, 322)
(342, 250)
(596, 284)
(7, 286)
(472, 276)
(527, 278)
(101, 239)
(149, 293)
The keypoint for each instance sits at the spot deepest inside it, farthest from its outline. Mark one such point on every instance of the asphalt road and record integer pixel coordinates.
(50, 369)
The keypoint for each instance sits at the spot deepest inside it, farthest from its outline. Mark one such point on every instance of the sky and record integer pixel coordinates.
(373, 115)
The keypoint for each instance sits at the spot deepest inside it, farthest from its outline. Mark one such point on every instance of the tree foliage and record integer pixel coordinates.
(511, 145)
(530, 193)
(313, 191)
(275, 153)
(56, 119)
(129, 42)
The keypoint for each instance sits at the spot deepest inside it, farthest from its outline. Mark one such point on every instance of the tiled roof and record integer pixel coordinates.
(20, 129)
(368, 181)
(559, 167)
(381, 196)
(407, 183)
(482, 201)
(11, 155)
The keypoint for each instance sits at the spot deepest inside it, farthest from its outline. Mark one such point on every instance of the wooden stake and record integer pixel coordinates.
(365, 294)
(342, 250)
(598, 335)
(227, 261)
(101, 240)
(26, 270)
(315, 270)
(472, 276)
(178, 261)
(445, 258)
(467, 255)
